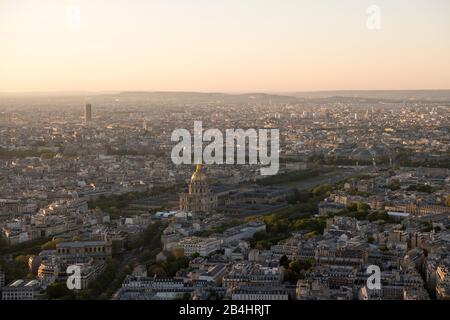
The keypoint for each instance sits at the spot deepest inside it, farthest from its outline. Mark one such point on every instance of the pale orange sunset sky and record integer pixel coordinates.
(222, 45)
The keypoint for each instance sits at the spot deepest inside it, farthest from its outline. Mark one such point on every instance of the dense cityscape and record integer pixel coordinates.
(87, 180)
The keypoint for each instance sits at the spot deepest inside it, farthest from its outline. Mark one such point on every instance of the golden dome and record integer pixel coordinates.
(198, 175)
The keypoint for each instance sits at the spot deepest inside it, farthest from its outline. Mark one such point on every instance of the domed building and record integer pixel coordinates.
(199, 198)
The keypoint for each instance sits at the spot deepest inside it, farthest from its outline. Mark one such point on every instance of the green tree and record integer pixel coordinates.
(394, 185)
(284, 261)
(51, 245)
(195, 255)
(3, 243)
(300, 266)
(170, 267)
(291, 276)
(177, 253)
(157, 270)
(363, 206)
(59, 290)
(321, 190)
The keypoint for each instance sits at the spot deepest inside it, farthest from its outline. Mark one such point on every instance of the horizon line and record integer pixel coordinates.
(99, 92)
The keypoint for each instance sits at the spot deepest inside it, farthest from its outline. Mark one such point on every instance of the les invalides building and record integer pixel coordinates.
(199, 198)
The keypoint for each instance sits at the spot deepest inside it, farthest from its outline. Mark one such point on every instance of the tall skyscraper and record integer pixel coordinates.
(145, 125)
(88, 113)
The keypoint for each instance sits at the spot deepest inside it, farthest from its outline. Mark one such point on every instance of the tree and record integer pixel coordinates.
(428, 226)
(59, 290)
(21, 264)
(363, 206)
(195, 255)
(177, 253)
(3, 243)
(157, 270)
(378, 215)
(394, 185)
(284, 261)
(172, 265)
(300, 266)
(295, 266)
(51, 245)
(321, 190)
(361, 214)
(150, 237)
(291, 276)
(296, 269)
(260, 235)
(184, 296)
(294, 197)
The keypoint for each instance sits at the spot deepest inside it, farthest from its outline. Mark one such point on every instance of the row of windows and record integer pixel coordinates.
(82, 250)
(259, 297)
(17, 295)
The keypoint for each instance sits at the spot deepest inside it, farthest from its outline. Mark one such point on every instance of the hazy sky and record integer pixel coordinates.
(223, 45)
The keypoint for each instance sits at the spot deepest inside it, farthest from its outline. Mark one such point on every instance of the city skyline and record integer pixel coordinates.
(245, 153)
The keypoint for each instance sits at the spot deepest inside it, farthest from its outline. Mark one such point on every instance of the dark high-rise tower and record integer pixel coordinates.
(145, 125)
(88, 113)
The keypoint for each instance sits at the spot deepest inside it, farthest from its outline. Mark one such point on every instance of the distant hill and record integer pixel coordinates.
(379, 94)
(187, 98)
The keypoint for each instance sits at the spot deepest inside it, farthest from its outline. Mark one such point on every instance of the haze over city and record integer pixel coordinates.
(232, 46)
